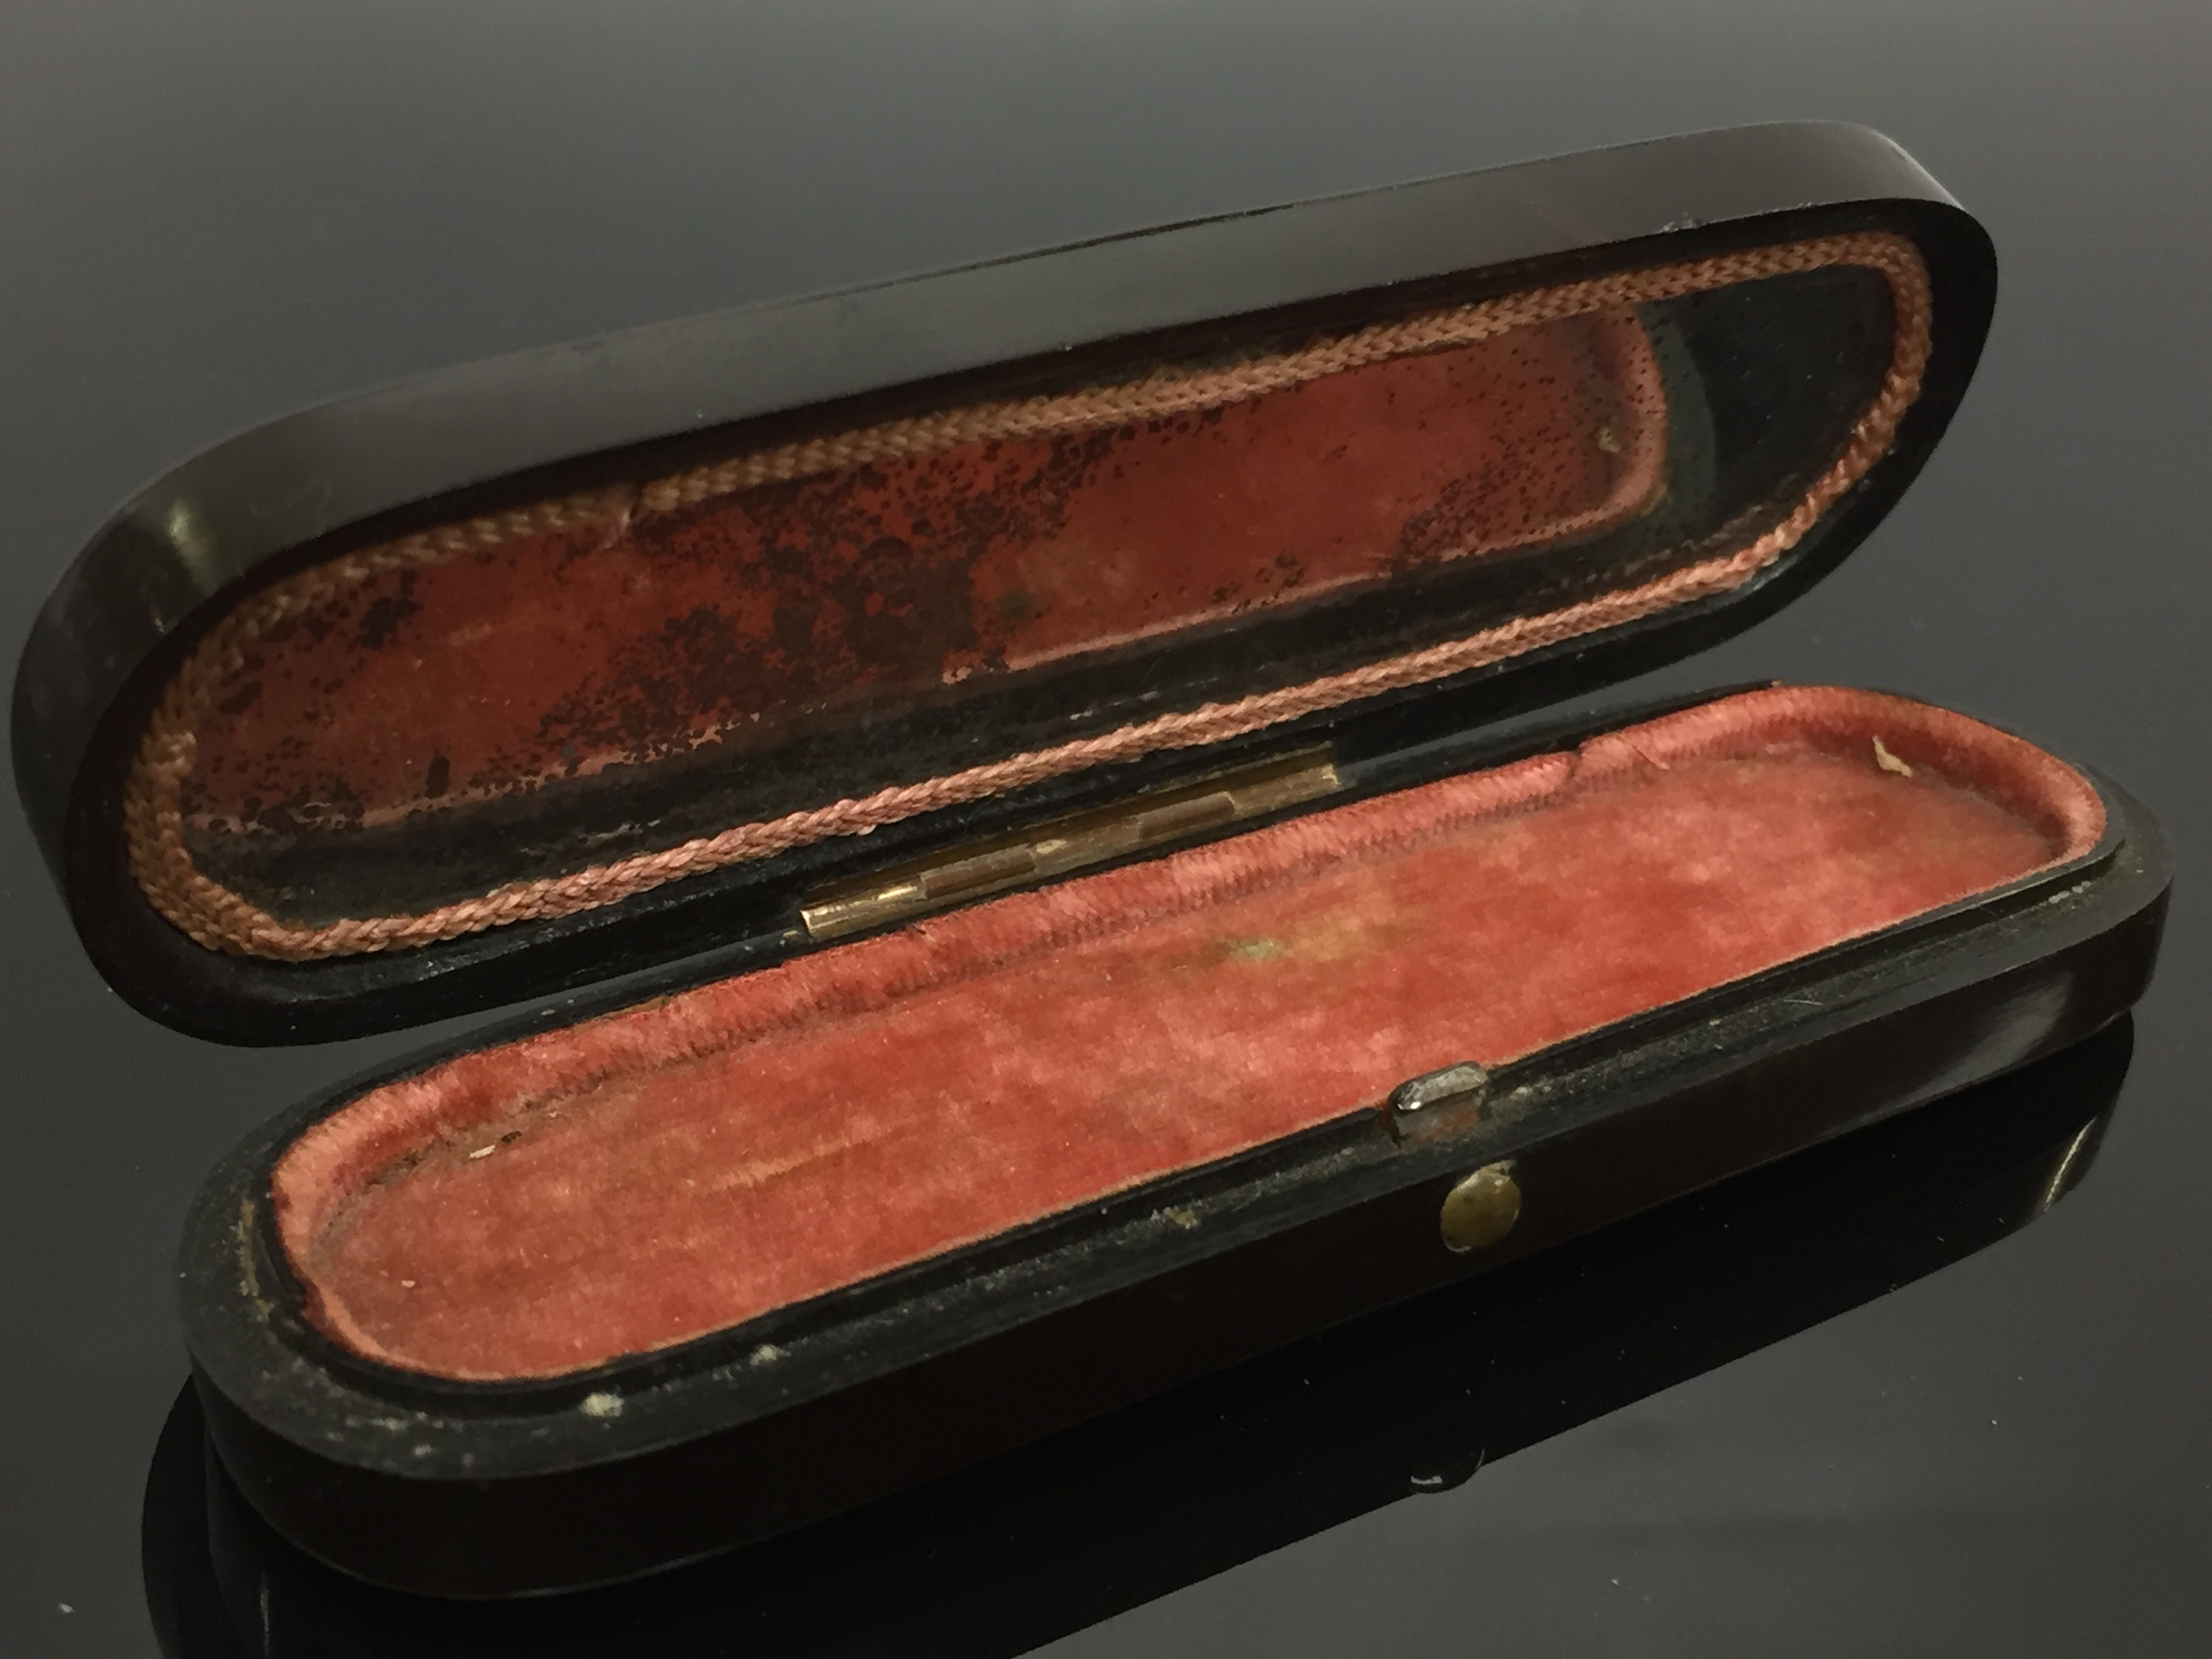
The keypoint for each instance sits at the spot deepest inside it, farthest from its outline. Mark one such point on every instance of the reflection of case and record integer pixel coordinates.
(1039, 1543)
(1027, 759)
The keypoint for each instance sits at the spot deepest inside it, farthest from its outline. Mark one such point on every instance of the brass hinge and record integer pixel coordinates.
(1067, 844)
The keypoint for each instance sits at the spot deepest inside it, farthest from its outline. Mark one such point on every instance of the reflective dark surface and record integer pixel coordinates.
(218, 214)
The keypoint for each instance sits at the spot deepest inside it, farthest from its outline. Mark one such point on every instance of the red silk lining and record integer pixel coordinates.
(630, 638)
(677, 1169)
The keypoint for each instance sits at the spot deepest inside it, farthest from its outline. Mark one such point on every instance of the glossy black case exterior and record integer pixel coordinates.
(474, 1489)
(1020, 1550)
(1005, 1557)
(666, 395)
(486, 1490)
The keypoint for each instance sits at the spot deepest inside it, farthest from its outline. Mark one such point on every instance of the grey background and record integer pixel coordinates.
(213, 213)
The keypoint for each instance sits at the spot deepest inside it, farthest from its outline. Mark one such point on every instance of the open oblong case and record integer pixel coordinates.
(1022, 790)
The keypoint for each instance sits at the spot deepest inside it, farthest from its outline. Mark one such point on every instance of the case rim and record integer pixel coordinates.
(1044, 1542)
(236, 517)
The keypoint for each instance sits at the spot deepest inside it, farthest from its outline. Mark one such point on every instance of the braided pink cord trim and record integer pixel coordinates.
(221, 919)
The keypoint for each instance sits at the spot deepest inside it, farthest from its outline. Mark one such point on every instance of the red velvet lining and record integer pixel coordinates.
(680, 1167)
(632, 635)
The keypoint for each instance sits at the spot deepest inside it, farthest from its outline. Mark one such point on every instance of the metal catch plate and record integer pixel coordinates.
(1436, 1095)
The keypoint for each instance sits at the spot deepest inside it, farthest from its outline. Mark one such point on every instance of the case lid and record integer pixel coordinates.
(550, 668)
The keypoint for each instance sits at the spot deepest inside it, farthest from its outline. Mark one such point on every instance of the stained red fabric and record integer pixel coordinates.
(642, 637)
(677, 1169)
